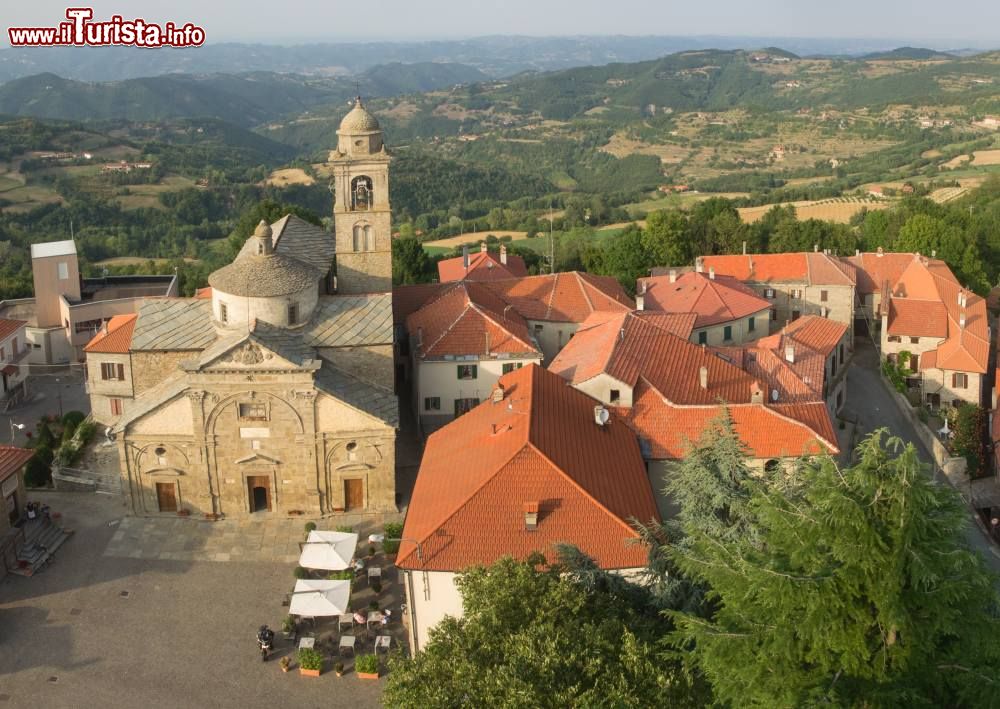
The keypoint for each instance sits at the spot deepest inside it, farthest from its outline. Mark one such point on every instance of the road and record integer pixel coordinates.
(48, 394)
(870, 401)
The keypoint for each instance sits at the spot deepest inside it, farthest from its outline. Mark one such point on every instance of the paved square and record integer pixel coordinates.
(119, 624)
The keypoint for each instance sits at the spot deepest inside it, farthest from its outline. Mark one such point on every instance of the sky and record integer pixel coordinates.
(966, 22)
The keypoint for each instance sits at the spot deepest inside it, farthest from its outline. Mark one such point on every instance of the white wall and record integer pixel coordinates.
(241, 310)
(430, 596)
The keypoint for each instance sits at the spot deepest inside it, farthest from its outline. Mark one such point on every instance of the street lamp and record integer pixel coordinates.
(59, 397)
(18, 426)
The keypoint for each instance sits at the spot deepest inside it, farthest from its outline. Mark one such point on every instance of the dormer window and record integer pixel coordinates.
(223, 313)
(293, 314)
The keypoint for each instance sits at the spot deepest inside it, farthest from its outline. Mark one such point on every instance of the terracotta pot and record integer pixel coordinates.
(309, 673)
(367, 675)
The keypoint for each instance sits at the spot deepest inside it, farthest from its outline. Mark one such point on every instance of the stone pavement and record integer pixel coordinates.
(57, 389)
(269, 538)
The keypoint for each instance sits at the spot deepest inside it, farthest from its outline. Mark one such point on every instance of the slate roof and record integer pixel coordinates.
(351, 320)
(469, 319)
(265, 276)
(539, 446)
(150, 400)
(174, 324)
(370, 399)
(713, 300)
(9, 327)
(295, 237)
(116, 338)
(483, 266)
(286, 344)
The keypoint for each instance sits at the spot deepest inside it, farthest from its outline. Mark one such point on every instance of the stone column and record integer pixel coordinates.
(200, 461)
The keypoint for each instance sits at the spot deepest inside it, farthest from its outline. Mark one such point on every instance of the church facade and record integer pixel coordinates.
(274, 392)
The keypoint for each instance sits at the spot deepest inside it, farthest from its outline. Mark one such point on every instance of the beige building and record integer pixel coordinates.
(270, 393)
(13, 362)
(67, 310)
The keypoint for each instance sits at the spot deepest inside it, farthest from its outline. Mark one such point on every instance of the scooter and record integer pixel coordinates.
(265, 638)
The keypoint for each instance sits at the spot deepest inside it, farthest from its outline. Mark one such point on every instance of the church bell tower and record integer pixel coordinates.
(361, 215)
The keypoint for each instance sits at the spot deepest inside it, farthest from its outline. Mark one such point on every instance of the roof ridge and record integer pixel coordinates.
(487, 313)
(797, 422)
(582, 284)
(552, 295)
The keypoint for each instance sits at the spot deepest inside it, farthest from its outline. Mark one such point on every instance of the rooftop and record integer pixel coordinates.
(713, 299)
(562, 297)
(359, 120)
(116, 337)
(10, 327)
(53, 248)
(483, 266)
(13, 459)
(540, 445)
(811, 267)
(295, 237)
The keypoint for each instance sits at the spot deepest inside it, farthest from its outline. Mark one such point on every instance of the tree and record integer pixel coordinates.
(968, 441)
(410, 263)
(536, 637)
(665, 238)
(863, 592)
(623, 256)
(270, 211)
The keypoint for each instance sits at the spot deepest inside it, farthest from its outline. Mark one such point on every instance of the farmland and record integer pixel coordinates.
(838, 210)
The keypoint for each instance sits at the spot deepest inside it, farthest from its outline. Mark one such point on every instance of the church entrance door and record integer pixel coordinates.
(260, 493)
(166, 497)
(354, 494)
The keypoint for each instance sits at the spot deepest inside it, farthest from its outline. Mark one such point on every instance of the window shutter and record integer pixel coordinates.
(954, 380)
(121, 372)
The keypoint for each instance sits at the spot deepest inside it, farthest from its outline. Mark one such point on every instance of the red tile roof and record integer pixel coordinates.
(468, 319)
(820, 334)
(13, 459)
(563, 297)
(205, 292)
(483, 266)
(814, 268)
(713, 300)
(779, 431)
(9, 327)
(917, 318)
(540, 444)
(966, 347)
(117, 338)
(874, 270)
(409, 299)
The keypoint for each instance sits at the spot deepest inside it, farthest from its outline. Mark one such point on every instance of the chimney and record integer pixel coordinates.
(744, 248)
(756, 393)
(640, 304)
(482, 246)
(790, 353)
(699, 264)
(880, 252)
(703, 377)
(531, 516)
(961, 320)
(933, 253)
(503, 254)
(711, 272)
(857, 252)
(815, 248)
(497, 396)
(465, 256)
(673, 275)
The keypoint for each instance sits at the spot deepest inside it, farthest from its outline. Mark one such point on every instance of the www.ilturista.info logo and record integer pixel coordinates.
(80, 31)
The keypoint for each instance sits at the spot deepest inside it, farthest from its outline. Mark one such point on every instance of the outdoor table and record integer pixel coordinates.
(347, 642)
(374, 617)
(374, 573)
(307, 643)
(345, 619)
(382, 642)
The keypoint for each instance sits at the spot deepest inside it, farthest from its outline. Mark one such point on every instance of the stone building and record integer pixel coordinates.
(272, 390)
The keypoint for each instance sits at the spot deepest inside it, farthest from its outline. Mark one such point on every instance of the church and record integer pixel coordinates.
(271, 390)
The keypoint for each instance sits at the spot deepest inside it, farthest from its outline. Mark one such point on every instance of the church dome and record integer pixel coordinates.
(359, 120)
(264, 273)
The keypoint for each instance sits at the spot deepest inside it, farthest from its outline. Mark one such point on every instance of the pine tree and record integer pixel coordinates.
(862, 593)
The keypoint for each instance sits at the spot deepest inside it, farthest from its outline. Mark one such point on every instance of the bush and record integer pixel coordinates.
(310, 526)
(288, 624)
(85, 432)
(301, 573)
(393, 530)
(45, 454)
(310, 659)
(68, 430)
(345, 575)
(346, 529)
(45, 437)
(73, 418)
(338, 667)
(37, 473)
(367, 664)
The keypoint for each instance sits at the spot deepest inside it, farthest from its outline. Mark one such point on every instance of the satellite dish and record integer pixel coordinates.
(601, 415)
(774, 395)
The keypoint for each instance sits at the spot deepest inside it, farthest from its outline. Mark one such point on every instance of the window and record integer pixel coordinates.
(914, 340)
(361, 192)
(3, 354)
(895, 338)
(841, 353)
(116, 407)
(13, 348)
(509, 367)
(63, 271)
(293, 314)
(111, 371)
(769, 293)
(88, 325)
(914, 363)
(432, 403)
(538, 329)
(369, 239)
(253, 411)
(795, 314)
(161, 455)
(358, 237)
(774, 315)
(702, 337)
(796, 293)
(223, 313)
(352, 450)
(772, 465)
(468, 371)
(824, 296)
(727, 333)
(465, 405)
(751, 324)
(364, 237)
(959, 380)
(615, 396)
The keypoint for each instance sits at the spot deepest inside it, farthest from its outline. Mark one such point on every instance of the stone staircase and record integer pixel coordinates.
(42, 538)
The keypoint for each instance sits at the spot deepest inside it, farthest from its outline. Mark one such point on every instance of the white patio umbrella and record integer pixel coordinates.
(332, 551)
(319, 597)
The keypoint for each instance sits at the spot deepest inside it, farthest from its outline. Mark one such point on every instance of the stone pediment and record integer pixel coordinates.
(257, 458)
(164, 471)
(254, 353)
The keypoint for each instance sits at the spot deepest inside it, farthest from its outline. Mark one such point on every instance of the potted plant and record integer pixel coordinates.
(285, 663)
(301, 573)
(371, 550)
(310, 662)
(366, 667)
(339, 669)
(288, 627)
(310, 526)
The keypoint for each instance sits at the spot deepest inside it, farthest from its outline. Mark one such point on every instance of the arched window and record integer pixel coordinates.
(364, 237)
(362, 196)
(369, 238)
(359, 237)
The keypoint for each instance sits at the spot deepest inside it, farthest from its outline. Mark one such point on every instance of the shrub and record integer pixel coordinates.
(288, 624)
(44, 453)
(68, 430)
(346, 529)
(310, 526)
(85, 432)
(301, 573)
(73, 418)
(37, 473)
(45, 437)
(345, 575)
(338, 667)
(310, 659)
(393, 530)
(367, 664)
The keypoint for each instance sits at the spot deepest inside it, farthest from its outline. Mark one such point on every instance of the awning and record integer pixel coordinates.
(10, 370)
(320, 598)
(332, 551)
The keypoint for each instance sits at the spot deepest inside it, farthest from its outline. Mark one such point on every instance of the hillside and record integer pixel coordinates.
(902, 53)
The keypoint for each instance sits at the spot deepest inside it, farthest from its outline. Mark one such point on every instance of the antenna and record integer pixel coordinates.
(552, 243)
(71, 230)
